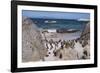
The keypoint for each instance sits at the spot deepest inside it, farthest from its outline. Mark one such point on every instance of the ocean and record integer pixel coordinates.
(60, 24)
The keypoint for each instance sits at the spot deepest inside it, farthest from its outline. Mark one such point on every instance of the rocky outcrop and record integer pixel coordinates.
(86, 32)
(32, 46)
(85, 41)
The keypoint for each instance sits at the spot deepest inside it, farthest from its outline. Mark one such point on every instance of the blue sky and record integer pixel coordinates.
(55, 15)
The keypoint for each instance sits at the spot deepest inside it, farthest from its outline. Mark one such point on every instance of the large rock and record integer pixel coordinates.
(32, 46)
(86, 32)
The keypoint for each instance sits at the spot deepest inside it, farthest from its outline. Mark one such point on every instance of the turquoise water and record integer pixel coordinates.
(60, 24)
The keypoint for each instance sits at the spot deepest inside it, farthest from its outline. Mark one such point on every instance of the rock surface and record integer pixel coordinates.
(32, 45)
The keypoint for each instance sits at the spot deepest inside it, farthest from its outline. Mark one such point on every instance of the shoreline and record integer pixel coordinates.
(64, 36)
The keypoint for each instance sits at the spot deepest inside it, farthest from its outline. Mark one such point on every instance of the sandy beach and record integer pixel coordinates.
(65, 46)
(64, 36)
(66, 53)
